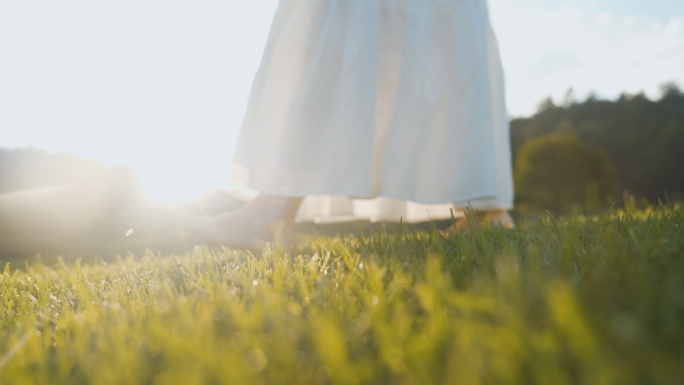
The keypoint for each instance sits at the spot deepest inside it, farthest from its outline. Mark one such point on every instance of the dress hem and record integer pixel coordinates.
(462, 203)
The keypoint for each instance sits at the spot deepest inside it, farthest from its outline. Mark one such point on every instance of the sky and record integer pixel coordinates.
(163, 85)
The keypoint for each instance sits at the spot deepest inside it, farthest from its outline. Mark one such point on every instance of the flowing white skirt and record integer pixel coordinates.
(378, 109)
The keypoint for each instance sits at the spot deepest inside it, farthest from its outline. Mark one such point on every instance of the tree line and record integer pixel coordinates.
(585, 155)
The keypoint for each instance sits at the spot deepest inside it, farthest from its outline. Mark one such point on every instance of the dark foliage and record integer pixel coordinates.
(643, 139)
(51, 202)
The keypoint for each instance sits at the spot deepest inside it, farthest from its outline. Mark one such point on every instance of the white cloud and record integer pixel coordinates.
(674, 27)
(547, 51)
(604, 18)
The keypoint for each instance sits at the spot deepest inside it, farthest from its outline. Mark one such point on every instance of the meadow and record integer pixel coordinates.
(569, 300)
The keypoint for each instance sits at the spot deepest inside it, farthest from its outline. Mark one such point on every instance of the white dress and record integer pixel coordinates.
(378, 109)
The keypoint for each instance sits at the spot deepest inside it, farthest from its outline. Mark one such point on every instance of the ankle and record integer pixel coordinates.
(276, 207)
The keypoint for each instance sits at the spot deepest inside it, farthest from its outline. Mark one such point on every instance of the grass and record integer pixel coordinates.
(575, 300)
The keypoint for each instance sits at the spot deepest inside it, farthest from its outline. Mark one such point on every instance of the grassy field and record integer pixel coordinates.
(575, 300)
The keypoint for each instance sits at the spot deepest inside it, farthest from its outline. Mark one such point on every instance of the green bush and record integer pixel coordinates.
(559, 173)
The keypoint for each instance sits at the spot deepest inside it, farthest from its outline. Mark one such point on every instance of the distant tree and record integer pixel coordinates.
(569, 97)
(546, 104)
(560, 172)
(670, 89)
(565, 127)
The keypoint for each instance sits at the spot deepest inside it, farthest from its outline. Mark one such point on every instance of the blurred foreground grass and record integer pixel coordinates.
(558, 301)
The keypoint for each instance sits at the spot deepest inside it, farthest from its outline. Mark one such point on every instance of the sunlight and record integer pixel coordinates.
(180, 186)
(173, 191)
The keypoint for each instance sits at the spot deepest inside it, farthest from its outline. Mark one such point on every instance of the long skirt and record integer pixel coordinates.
(378, 109)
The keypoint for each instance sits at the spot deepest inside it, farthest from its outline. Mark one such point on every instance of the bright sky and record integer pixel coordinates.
(162, 85)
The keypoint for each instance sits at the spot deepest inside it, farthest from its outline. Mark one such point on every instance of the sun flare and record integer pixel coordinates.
(179, 187)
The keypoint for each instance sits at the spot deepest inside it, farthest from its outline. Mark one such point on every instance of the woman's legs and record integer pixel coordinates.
(493, 218)
(265, 219)
(499, 218)
(271, 218)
